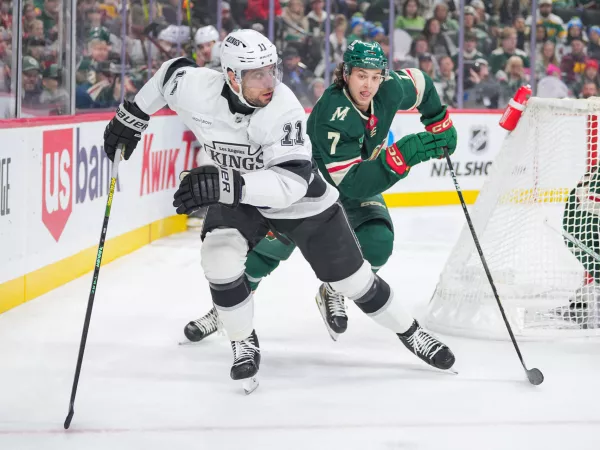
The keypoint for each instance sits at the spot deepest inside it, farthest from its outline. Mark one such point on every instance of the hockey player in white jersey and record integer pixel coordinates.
(208, 47)
(263, 178)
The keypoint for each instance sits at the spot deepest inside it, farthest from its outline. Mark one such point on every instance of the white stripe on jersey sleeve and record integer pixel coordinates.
(338, 170)
(267, 188)
(418, 81)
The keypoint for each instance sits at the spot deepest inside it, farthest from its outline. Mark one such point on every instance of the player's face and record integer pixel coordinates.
(206, 50)
(258, 85)
(363, 84)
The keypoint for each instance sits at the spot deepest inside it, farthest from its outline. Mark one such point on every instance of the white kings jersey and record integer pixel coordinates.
(269, 147)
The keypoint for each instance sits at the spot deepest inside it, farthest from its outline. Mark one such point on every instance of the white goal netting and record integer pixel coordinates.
(542, 187)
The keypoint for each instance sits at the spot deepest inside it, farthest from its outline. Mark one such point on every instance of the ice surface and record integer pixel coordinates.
(140, 390)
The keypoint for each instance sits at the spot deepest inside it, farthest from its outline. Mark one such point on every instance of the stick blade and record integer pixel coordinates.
(535, 376)
(68, 419)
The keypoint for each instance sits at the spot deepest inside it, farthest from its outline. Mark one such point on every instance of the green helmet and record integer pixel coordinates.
(368, 55)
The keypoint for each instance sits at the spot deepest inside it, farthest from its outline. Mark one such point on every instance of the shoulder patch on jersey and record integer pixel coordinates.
(340, 113)
(177, 64)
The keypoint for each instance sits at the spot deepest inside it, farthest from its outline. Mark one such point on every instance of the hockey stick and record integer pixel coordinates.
(88, 313)
(534, 375)
(576, 242)
(192, 40)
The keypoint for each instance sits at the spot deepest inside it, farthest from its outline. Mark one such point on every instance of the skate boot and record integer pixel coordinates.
(427, 347)
(333, 310)
(199, 329)
(584, 307)
(246, 361)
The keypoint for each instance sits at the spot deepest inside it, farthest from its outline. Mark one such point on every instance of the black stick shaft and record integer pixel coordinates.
(483, 261)
(88, 313)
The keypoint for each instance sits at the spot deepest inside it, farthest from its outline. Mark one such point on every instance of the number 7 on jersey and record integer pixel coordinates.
(336, 137)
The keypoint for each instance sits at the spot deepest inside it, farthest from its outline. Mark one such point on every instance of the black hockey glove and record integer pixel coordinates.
(208, 185)
(125, 128)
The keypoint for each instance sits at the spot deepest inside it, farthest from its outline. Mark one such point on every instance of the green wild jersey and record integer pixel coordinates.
(583, 206)
(346, 147)
(582, 221)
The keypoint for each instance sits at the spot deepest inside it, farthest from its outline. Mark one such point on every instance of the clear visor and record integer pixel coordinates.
(264, 77)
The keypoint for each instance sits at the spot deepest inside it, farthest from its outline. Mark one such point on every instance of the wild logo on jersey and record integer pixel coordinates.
(235, 156)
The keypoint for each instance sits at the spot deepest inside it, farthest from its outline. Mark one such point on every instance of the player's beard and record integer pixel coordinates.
(255, 100)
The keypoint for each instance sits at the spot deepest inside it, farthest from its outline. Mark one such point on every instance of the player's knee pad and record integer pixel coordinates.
(367, 290)
(357, 284)
(223, 255)
(376, 241)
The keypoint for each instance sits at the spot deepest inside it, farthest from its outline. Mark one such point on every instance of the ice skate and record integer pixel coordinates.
(583, 309)
(427, 347)
(199, 329)
(246, 361)
(333, 310)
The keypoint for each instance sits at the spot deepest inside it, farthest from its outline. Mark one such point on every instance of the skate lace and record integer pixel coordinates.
(209, 323)
(335, 302)
(424, 343)
(243, 351)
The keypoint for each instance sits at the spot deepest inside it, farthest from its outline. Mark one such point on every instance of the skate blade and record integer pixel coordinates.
(250, 385)
(334, 336)
(188, 342)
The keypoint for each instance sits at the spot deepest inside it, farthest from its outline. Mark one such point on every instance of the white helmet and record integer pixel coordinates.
(248, 49)
(206, 34)
(175, 34)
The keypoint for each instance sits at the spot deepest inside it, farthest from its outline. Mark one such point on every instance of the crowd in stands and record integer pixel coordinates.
(496, 50)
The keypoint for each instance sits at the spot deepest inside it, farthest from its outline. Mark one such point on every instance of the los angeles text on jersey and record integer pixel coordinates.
(235, 156)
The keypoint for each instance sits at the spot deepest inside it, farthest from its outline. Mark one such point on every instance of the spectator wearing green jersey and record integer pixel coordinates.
(470, 26)
(470, 52)
(447, 23)
(513, 76)
(410, 20)
(554, 24)
(508, 49)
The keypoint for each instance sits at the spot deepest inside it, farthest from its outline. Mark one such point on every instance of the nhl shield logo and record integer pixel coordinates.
(478, 139)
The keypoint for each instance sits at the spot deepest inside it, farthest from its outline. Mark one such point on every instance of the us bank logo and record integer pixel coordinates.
(74, 171)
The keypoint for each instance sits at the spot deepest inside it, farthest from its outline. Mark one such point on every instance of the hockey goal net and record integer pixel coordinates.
(524, 216)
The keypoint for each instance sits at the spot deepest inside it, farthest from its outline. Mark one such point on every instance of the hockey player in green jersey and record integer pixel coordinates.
(581, 225)
(348, 128)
